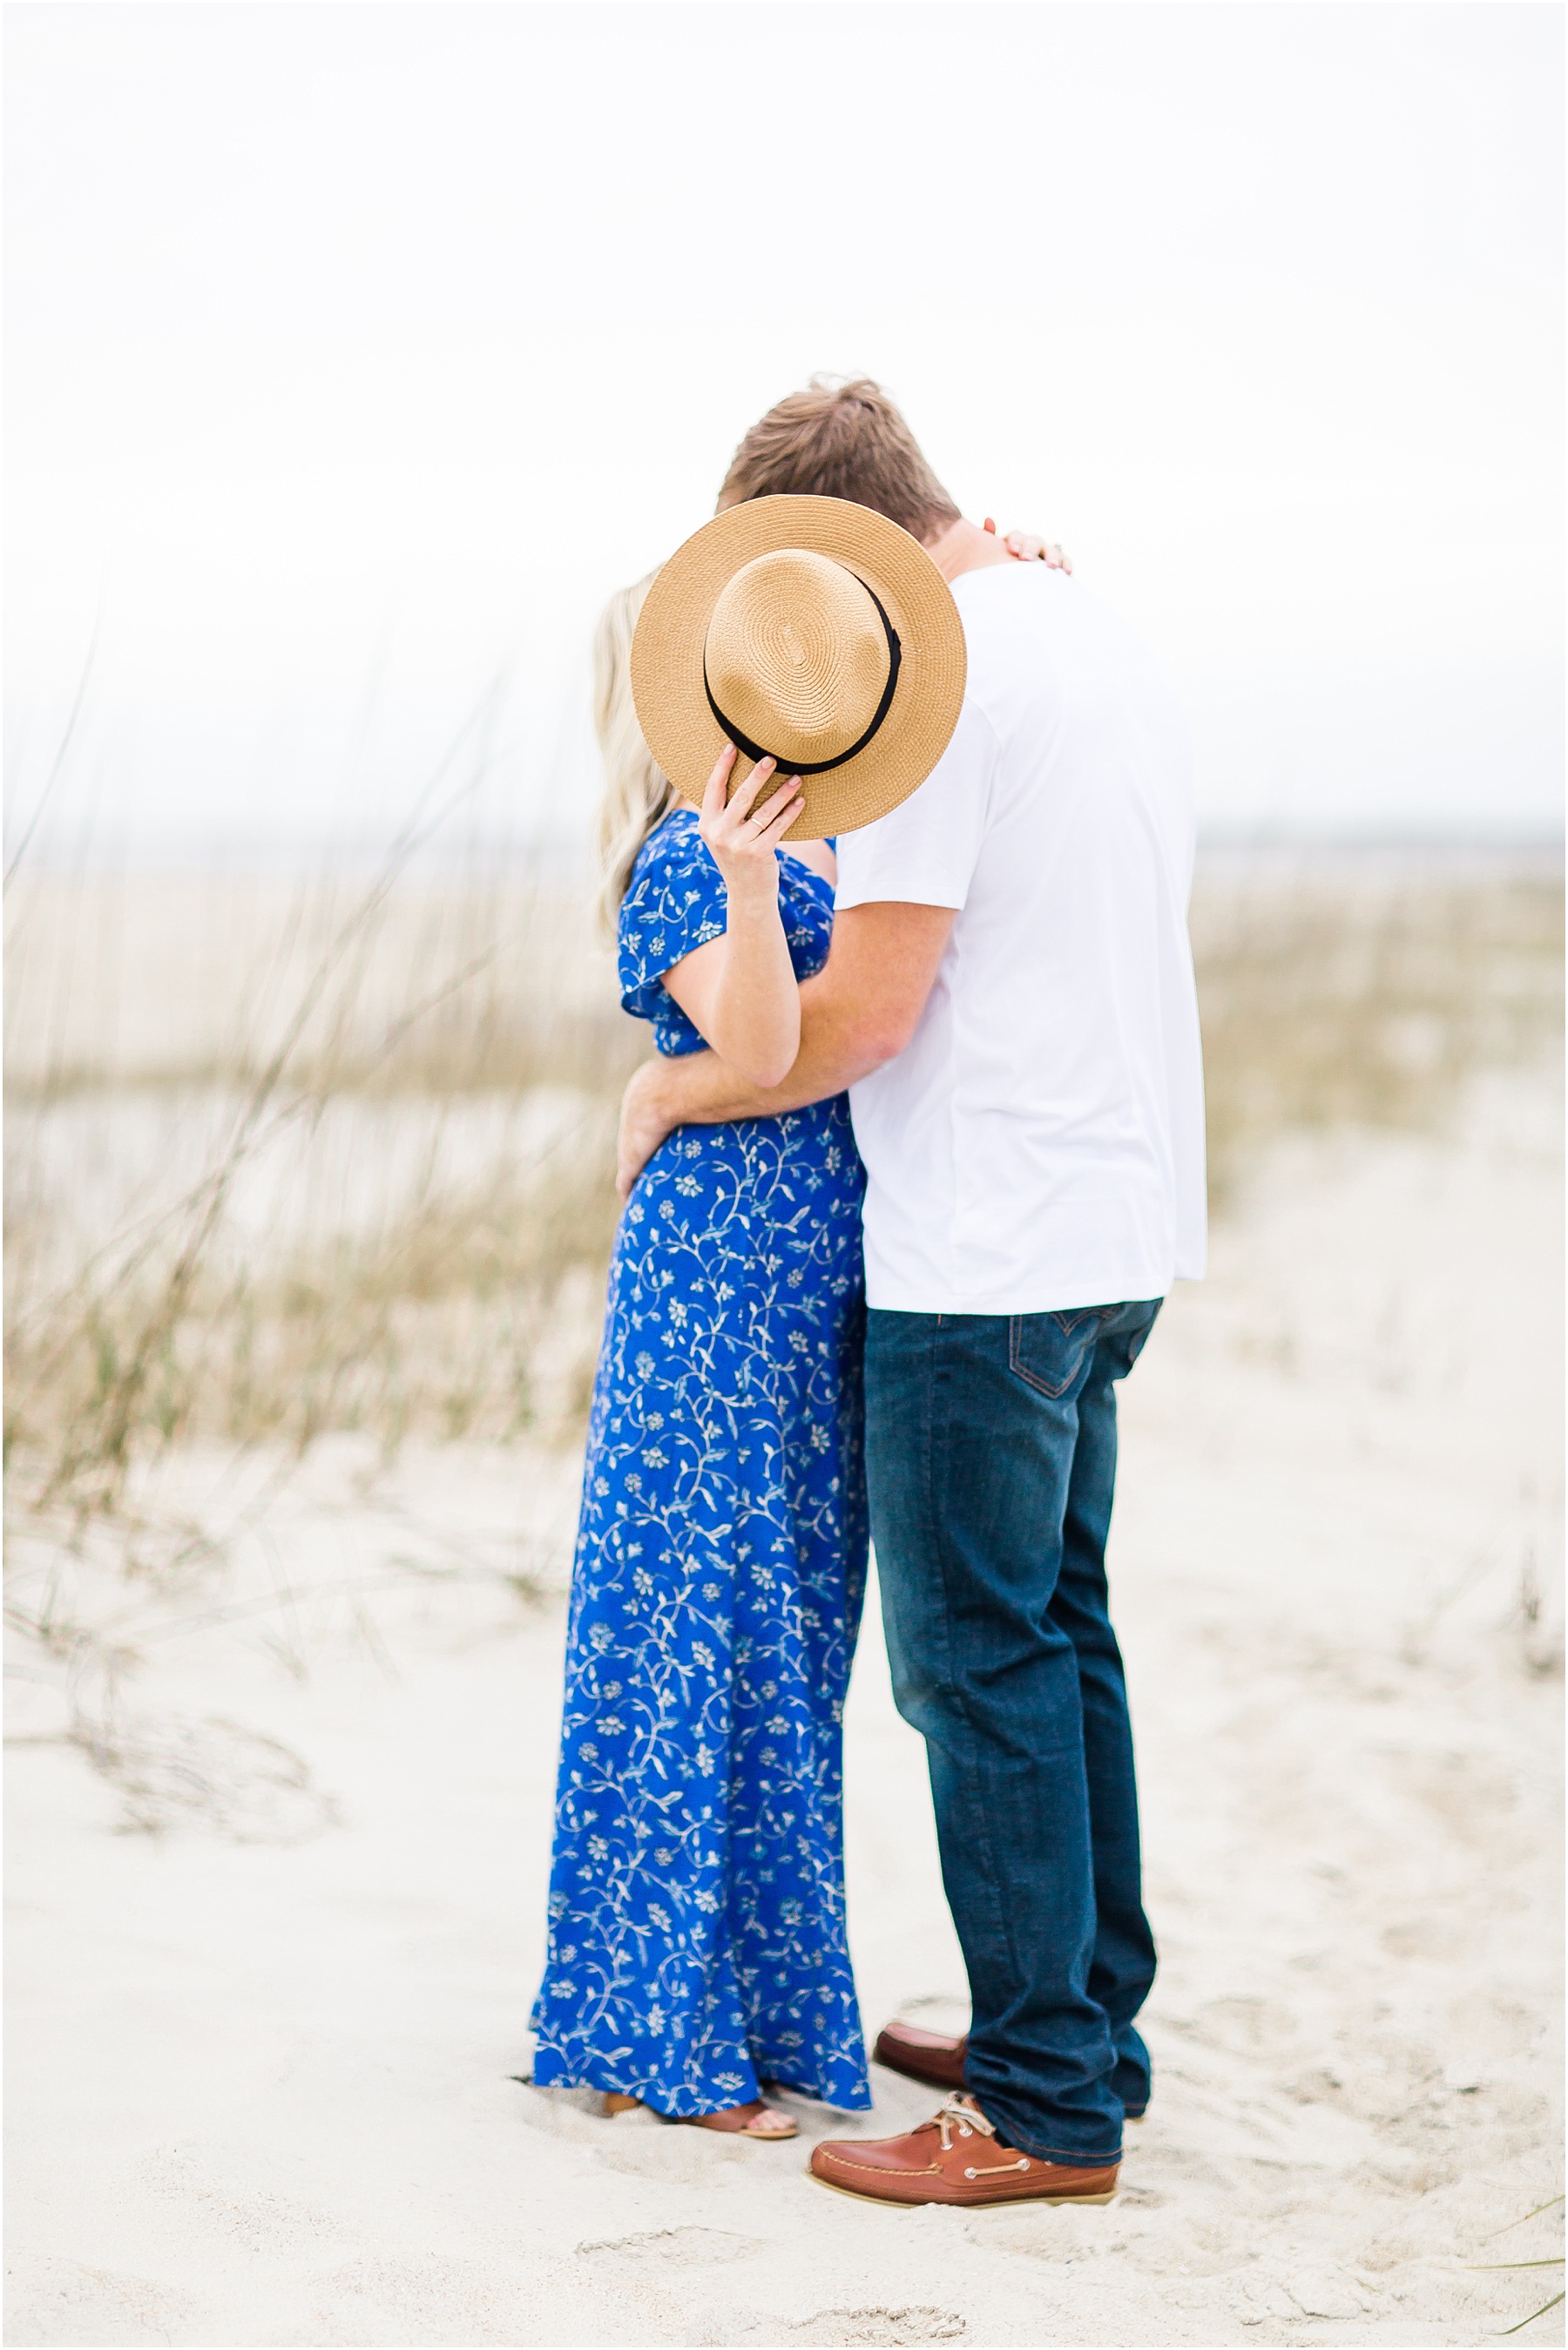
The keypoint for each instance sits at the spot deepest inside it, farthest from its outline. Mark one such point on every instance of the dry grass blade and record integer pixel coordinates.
(1540, 2207)
(1544, 2310)
(14, 863)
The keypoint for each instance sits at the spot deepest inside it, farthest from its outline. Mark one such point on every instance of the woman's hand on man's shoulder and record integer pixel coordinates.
(1030, 549)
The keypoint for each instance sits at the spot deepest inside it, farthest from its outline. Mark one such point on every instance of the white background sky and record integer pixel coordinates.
(357, 351)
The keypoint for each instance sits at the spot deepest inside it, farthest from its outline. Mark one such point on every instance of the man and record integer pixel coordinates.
(1010, 1001)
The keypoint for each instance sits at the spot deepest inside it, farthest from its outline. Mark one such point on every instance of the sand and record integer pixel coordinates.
(262, 2048)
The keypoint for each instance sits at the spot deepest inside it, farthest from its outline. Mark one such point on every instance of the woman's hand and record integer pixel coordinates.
(742, 833)
(1030, 549)
(740, 992)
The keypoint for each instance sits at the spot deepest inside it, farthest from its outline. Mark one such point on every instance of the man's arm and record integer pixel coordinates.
(860, 1010)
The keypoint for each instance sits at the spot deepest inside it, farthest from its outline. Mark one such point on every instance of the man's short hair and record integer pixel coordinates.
(841, 440)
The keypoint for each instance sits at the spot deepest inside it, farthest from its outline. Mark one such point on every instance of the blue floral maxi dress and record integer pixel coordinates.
(696, 1919)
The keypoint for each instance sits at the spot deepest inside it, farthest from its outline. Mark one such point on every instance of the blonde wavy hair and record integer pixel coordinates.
(636, 793)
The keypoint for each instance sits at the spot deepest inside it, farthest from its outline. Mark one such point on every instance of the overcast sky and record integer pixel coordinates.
(357, 351)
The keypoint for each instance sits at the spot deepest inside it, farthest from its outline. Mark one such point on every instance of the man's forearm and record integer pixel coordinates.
(701, 1089)
(859, 1011)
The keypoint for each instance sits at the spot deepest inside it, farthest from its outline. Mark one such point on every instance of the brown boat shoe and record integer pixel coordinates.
(955, 2157)
(935, 2057)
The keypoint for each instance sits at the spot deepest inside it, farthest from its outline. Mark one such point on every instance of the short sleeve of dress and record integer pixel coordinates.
(674, 904)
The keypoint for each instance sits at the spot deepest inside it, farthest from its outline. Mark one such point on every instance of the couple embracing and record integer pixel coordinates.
(919, 1155)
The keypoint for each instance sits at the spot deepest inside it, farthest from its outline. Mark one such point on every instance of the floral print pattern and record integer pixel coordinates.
(697, 1923)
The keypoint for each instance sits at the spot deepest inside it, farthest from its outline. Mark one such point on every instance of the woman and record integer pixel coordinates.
(697, 1920)
(698, 1946)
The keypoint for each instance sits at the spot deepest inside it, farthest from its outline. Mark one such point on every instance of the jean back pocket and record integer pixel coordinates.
(1048, 1351)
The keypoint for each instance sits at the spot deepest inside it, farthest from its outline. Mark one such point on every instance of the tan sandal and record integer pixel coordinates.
(756, 2120)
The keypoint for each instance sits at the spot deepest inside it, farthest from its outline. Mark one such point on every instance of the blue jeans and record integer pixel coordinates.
(990, 1454)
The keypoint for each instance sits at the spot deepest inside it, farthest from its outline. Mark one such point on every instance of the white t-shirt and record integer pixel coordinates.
(1039, 1144)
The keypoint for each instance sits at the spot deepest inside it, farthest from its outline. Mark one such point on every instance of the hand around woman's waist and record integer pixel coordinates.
(648, 1114)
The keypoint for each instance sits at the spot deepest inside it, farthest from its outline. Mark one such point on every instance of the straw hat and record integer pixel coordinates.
(812, 630)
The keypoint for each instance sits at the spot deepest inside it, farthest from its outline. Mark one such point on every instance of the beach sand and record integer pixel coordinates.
(262, 2052)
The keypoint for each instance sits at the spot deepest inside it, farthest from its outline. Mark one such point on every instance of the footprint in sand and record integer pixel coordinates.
(838, 2329)
(701, 2247)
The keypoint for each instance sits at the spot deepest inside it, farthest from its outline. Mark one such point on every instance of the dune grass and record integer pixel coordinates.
(284, 1163)
(1364, 991)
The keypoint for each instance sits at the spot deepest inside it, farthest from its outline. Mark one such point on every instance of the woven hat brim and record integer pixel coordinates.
(667, 681)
